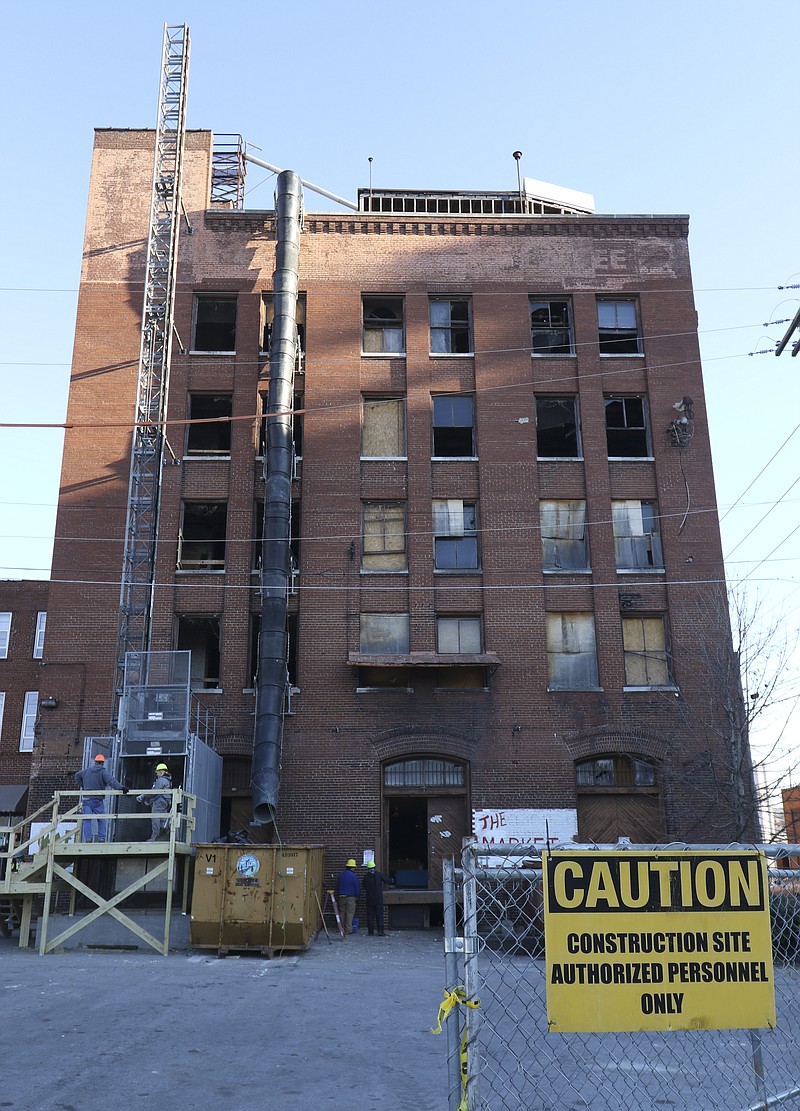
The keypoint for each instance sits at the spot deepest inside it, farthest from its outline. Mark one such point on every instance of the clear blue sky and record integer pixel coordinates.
(679, 107)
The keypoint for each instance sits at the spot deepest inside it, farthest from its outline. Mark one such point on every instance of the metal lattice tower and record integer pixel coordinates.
(141, 530)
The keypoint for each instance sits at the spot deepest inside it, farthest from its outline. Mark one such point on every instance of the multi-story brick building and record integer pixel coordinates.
(504, 526)
(23, 616)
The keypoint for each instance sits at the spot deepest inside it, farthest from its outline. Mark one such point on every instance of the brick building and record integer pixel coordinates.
(23, 616)
(507, 591)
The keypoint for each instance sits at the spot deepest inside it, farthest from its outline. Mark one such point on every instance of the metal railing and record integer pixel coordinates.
(501, 1055)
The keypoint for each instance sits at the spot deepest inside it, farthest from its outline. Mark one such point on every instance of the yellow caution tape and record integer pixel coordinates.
(456, 998)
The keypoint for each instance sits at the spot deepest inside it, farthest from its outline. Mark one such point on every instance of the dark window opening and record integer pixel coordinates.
(618, 328)
(451, 333)
(408, 834)
(200, 636)
(626, 427)
(297, 430)
(460, 679)
(201, 541)
(294, 541)
(453, 426)
(551, 331)
(557, 428)
(383, 327)
(213, 438)
(384, 678)
(215, 323)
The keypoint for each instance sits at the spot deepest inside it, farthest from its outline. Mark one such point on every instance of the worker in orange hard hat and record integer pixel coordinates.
(348, 889)
(96, 777)
(161, 804)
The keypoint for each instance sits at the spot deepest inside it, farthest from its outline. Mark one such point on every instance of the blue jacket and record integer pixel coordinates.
(97, 778)
(348, 883)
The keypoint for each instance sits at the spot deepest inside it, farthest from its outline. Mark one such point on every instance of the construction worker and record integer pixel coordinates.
(96, 778)
(159, 804)
(373, 889)
(348, 889)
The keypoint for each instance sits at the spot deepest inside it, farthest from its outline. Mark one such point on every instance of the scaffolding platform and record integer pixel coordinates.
(43, 858)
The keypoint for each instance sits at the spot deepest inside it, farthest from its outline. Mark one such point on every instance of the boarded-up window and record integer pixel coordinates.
(645, 647)
(636, 540)
(383, 431)
(458, 635)
(383, 545)
(384, 634)
(563, 525)
(571, 652)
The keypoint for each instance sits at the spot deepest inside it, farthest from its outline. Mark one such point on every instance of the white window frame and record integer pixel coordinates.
(30, 712)
(5, 633)
(535, 304)
(38, 639)
(2, 708)
(609, 331)
(571, 650)
(445, 330)
(389, 331)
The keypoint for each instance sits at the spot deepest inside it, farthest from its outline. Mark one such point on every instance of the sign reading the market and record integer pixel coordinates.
(657, 941)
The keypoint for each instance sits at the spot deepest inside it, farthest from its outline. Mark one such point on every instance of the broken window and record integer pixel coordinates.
(383, 546)
(453, 426)
(215, 322)
(201, 540)
(460, 679)
(458, 635)
(268, 319)
(451, 332)
(551, 328)
(30, 712)
(636, 541)
(645, 646)
(200, 636)
(384, 331)
(557, 429)
(384, 634)
(571, 652)
(214, 437)
(626, 428)
(615, 771)
(563, 525)
(5, 634)
(383, 431)
(38, 639)
(455, 535)
(618, 327)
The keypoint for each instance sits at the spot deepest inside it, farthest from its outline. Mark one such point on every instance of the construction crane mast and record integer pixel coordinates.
(141, 531)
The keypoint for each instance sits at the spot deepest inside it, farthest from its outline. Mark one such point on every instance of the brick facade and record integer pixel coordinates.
(517, 741)
(21, 675)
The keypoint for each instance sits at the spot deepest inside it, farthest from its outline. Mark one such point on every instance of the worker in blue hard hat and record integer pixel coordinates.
(348, 889)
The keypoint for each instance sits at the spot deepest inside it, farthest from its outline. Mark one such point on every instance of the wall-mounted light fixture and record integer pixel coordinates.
(49, 703)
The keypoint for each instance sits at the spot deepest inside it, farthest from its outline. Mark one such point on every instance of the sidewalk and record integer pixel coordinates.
(343, 1027)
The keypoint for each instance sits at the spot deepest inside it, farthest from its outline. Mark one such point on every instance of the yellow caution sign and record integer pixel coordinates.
(657, 941)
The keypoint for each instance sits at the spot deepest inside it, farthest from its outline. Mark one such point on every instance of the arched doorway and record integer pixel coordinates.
(618, 796)
(424, 818)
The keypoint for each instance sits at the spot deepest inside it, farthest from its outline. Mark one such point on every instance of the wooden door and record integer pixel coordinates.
(607, 817)
(447, 826)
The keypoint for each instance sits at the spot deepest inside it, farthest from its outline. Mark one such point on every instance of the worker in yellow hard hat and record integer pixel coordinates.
(348, 889)
(373, 889)
(161, 804)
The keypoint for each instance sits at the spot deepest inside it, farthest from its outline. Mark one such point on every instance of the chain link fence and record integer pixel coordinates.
(501, 1056)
